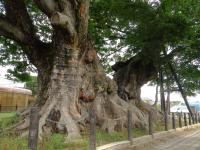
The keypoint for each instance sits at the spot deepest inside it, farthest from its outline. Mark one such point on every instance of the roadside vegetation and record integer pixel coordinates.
(56, 141)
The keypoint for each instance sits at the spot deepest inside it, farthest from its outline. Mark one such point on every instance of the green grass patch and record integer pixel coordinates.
(159, 126)
(105, 138)
(53, 142)
(13, 143)
(102, 138)
(6, 115)
(7, 120)
(58, 141)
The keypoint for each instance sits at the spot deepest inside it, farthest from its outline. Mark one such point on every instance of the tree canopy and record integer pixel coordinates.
(123, 29)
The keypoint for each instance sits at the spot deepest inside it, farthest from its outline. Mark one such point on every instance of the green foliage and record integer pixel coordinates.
(31, 84)
(121, 29)
(12, 54)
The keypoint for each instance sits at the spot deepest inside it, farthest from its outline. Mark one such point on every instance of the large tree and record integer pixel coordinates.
(70, 77)
(143, 32)
(54, 37)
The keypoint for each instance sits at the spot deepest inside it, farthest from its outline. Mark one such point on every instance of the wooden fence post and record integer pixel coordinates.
(196, 118)
(130, 136)
(189, 119)
(0, 107)
(92, 136)
(33, 129)
(166, 120)
(185, 119)
(16, 107)
(193, 119)
(179, 120)
(173, 121)
(150, 123)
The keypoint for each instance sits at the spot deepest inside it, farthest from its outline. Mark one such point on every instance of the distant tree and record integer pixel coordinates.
(31, 84)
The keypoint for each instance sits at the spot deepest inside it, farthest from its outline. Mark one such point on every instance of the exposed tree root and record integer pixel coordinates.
(66, 111)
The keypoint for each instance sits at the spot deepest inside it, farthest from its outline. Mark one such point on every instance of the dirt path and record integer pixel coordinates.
(187, 140)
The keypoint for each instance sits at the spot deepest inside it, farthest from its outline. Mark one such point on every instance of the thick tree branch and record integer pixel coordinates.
(35, 51)
(47, 6)
(17, 14)
(10, 31)
(18, 26)
(69, 15)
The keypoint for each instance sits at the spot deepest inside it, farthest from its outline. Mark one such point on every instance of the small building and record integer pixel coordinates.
(15, 99)
(181, 107)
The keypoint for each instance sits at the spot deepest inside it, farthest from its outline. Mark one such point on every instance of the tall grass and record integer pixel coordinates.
(58, 141)
(7, 120)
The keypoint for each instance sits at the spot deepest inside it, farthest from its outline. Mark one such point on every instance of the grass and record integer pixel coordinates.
(58, 141)
(7, 119)
(53, 142)
(6, 115)
(102, 138)
(13, 143)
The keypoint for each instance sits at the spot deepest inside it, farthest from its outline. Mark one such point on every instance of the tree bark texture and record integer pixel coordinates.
(131, 75)
(168, 98)
(162, 93)
(70, 77)
(156, 96)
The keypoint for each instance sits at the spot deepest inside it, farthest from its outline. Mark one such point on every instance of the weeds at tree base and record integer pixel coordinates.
(58, 141)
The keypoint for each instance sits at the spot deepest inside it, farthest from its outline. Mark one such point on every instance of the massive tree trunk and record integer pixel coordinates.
(76, 82)
(70, 77)
(131, 75)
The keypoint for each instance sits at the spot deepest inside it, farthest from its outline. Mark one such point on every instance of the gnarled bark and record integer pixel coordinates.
(131, 76)
(70, 77)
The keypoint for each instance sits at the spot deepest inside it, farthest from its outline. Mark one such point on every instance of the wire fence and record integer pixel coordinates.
(174, 120)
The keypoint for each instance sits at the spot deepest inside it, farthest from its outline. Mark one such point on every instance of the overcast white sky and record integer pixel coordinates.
(149, 92)
(146, 92)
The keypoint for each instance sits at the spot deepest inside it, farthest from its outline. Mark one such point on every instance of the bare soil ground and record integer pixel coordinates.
(186, 140)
